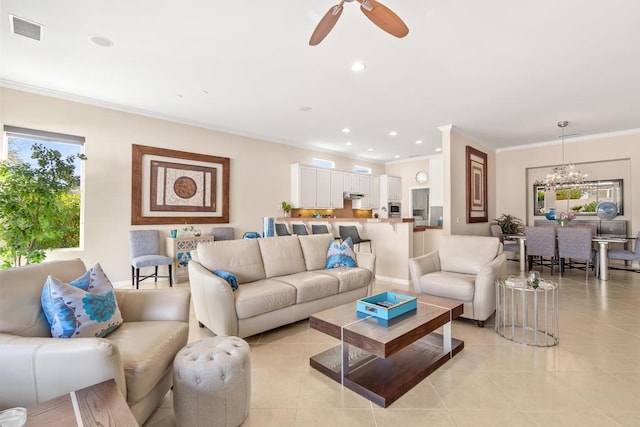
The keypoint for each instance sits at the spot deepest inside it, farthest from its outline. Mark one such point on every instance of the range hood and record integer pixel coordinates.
(348, 195)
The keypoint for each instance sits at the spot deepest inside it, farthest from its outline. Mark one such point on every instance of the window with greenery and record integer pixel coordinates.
(40, 194)
(580, 199)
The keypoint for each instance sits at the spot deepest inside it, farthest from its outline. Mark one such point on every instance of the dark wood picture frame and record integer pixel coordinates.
(215, 214)
(476, 186)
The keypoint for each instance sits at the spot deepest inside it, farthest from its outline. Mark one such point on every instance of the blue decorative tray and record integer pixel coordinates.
(386, 305)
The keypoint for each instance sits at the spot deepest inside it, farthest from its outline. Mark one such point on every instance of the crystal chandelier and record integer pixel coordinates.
(562, 176)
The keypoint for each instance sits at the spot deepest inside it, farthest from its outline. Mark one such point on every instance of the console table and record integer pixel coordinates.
(179, 249)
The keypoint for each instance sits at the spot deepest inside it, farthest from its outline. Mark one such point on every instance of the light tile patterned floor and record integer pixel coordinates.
(592, 378)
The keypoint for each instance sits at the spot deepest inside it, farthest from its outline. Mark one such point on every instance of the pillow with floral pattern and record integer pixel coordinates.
(85, 307)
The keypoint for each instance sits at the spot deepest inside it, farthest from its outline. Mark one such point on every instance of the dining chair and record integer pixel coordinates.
(575, 243)
(507, 245)
(281, 230)
(300, 229)
(319, 229)
(347, 231)
(144, 247)
(541, 242)
(624, 254)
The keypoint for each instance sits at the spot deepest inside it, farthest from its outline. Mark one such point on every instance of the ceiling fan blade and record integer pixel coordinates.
(384, 18)
(326, 24)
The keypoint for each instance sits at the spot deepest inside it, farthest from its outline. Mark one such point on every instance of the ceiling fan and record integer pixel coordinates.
(378, 13)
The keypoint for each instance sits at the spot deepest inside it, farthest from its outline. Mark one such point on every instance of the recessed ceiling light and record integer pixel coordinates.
(370, 149)
(438, 149)
(358, 66)
(179, 95)
(102, 41)
(397, 156)
(306, 108)
(205, 92)
(348, 143)
(419, 141)
(393, 133)
(346, 130)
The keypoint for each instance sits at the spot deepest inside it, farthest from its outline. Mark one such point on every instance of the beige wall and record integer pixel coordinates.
(601, 157)
(260, 173)
(407, 171)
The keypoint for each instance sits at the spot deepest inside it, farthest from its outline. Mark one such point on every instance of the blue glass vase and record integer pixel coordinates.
(551, 215)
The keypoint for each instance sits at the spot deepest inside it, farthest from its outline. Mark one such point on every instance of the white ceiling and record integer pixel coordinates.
(501, 71)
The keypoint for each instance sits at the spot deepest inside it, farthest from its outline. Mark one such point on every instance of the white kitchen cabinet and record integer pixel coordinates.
(303, 186)
(337, 187)
(365, 188)
(374, 201)
(323, 188)
(351, 182)
(390, 188)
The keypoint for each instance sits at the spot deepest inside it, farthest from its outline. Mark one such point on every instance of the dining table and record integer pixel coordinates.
(603, 241)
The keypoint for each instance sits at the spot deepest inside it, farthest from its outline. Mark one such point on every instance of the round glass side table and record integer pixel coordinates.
(527, 315)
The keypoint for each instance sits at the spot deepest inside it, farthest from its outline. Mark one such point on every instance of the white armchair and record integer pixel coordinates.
(34, 367)
(465, 269)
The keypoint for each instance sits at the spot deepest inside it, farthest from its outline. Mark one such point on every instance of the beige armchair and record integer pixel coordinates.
(465, 269)
(139, 354)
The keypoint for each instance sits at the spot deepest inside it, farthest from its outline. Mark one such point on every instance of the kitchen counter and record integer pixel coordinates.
(426, 227)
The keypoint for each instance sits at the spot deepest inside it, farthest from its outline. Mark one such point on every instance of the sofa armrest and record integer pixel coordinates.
(422, 265)
(368, 261)
(154, 304)
(484, 298)
(34, 370)
(214, 303)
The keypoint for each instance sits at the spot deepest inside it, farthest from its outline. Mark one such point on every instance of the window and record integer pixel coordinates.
(361, 169)
(66, 219)
(322, 163)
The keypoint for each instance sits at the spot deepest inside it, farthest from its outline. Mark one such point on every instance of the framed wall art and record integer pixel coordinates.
(174, 187)
(476, 185)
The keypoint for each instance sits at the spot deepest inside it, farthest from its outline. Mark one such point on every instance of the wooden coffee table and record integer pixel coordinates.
(97, 405)
(383, 361)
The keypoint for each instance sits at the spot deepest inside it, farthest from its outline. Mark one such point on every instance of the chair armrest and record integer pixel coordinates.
(154, 304)
(34, 370)
(214, 302)
(484, 298)
(422, 265)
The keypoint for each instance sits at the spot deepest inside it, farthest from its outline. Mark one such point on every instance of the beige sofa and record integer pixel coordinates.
(465, 269)
(139, 354)
(281, 280)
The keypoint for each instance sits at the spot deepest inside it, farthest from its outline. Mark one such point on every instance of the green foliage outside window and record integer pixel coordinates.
(39, 206)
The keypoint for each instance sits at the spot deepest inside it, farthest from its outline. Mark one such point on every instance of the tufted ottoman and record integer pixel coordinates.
(212, 383)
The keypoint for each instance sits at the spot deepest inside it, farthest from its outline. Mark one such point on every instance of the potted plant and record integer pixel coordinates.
(509, 224)
(286, 208)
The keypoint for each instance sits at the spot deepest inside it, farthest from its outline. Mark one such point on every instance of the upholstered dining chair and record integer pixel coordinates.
(575, 243)
(299, 229)
(347, 231)
(541, 242)
(626, 255)
(319, 229)
(508, 245)
(144, 247)
(281, 230)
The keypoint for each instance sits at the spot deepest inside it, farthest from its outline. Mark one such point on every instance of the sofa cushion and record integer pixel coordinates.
(147, 350)
(85, 307)
(281, 255)
(24, 284)
(449, 285)
(341, 255)
(310, 285)
(314, 249)
(263, 296)
(239, 257)
(467, 254)
(350, 277)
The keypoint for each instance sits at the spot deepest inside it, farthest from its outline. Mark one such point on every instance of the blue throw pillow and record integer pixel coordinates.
(85, 307)
(231, 279)
(341, 255)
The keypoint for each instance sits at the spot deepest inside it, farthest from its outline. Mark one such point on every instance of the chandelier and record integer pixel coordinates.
(562, 176)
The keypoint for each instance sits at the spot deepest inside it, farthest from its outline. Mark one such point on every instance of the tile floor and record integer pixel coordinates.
(592, 378)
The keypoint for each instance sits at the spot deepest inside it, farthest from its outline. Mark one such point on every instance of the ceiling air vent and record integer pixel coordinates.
(25, 28)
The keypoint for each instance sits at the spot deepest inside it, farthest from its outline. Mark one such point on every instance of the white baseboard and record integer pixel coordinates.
(394, 280)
